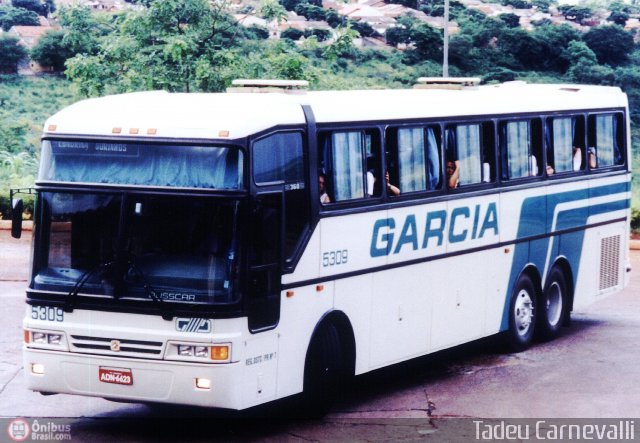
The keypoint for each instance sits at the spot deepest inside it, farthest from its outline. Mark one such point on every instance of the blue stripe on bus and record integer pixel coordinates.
(535, 220)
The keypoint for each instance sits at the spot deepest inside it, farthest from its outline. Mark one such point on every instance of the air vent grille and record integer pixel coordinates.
(609, 262)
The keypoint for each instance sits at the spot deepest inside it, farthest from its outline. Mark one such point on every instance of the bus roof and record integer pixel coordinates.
(236, 115)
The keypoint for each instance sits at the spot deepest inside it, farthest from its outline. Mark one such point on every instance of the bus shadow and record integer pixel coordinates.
(281, 418)
(452, 362)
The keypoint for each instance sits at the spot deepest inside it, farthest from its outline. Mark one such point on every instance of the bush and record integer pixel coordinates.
(635, 220)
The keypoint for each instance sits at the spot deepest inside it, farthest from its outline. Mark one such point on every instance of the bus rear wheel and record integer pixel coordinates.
(522, 314)
(324, 371)
(553, 305)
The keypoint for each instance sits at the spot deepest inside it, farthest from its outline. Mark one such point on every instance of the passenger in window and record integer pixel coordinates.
(371, 179)
(324, 197)
(533, 165)
(453, 173)
(577, 159)
(391, 189)
(593, 161)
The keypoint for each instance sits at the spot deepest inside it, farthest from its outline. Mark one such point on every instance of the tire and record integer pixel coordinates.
(324, 371)
(522, 315)
(553, 305)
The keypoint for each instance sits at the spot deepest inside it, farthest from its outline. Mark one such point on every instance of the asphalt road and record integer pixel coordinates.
(590, 372)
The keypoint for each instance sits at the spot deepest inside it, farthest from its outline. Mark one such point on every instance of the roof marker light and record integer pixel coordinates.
(152, 131)
(116, 130)
(52, 128)
(446, 82)
(134, 131)
(268, 85)
(223, 133)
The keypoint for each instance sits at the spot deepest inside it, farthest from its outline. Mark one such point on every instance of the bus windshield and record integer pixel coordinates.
(183, 166)
(175, 248)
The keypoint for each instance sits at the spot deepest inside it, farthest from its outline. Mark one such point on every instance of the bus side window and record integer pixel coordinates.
(521, 148)
(606, 138)
(350, 161)
(471, 146)
(415, 159)
(565, 144)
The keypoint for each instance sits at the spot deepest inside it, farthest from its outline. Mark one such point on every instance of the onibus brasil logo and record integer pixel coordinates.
(19, 429)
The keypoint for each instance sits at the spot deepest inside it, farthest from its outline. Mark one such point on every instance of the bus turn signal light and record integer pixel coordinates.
(220, 352)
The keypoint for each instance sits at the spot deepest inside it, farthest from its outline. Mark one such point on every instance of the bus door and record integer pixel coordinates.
(265, 261)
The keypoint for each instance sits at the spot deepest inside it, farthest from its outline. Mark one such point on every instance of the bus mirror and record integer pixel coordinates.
(17, 206)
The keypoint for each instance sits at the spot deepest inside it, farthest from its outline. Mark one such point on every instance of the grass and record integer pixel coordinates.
(25, 105)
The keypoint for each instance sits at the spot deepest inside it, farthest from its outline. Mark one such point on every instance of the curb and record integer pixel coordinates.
(27, 225)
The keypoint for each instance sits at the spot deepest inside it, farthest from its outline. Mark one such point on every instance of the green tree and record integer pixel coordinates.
(576, 13)
(400, 33)
(334, 19)
(510, 19)
(292, 34)
(11, 52)
(611, 44)
(363, 28)
(578, 51)
(585, 72)
(552, 41)
(48, 7)
(50, 51)
(542, 5)
(176, 45)
(10, 16)
(290, 5)
(30, 5)
(343, 44)
(13, 134)
(620, 12)
(320, 35)
(428, 42)
(83, 29)
(257, 32)
(311, 12)
(518, 4)
(271, 10)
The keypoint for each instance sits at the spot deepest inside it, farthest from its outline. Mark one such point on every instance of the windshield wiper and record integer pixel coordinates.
(99, 270)
(151, 292)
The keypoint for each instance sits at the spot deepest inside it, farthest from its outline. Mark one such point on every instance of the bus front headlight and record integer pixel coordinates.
(45, 340)
(219, 353)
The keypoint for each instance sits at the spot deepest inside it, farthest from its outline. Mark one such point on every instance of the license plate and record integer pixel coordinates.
(118, 376)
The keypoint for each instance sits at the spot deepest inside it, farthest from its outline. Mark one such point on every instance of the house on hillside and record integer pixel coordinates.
(29, 36)
(248, 20)
(301, 23)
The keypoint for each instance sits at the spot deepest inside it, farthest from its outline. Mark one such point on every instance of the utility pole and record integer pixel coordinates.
(445, 50)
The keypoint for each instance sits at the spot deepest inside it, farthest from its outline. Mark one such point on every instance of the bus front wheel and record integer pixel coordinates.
(553, 305)
(522, 314)
(324, 370)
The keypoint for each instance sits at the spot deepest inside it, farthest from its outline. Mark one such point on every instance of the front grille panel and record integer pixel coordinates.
(116, 347)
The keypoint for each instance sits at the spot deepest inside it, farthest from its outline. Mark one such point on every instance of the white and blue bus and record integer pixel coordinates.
(185, 251)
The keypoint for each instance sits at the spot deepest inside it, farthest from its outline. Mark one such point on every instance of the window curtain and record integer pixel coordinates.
(179, 166)
(278, 158)
(468, 138)
(517, 137)
(411, 159)
(563, 144)
(606, 135)
(347, 165)
(433, 159)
